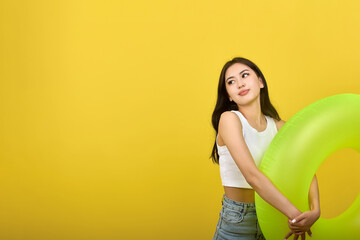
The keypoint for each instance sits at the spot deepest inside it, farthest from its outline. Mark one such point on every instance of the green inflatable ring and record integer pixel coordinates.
(297, 151)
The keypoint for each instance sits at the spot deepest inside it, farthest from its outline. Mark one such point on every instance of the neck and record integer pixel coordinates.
(252, 112)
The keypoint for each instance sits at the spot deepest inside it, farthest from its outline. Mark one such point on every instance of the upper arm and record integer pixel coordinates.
(230, 129)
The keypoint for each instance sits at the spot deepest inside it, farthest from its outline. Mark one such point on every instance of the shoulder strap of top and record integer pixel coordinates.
(272, 122)
(242, 118)
(238, 113)
(246, 124)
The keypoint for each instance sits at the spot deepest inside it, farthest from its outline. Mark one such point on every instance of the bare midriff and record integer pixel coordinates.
(240, 194)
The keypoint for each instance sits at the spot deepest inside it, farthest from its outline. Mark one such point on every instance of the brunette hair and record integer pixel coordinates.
(223, 103)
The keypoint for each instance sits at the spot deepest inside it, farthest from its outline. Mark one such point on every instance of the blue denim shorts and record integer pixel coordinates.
(237, 221)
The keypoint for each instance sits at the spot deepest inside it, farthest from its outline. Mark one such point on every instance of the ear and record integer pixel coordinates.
(261, 83)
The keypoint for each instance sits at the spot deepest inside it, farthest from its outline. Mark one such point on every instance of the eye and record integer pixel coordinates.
(244, 74)
(229, 82)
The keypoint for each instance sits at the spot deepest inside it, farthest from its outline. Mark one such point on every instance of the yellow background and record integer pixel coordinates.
(105, 108)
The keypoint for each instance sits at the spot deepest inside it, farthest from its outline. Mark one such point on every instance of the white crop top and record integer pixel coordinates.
(257, 143)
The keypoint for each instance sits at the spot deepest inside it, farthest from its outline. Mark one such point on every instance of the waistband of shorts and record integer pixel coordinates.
(235, 205)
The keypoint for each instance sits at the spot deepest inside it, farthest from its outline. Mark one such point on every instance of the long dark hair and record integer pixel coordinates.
(223, 103)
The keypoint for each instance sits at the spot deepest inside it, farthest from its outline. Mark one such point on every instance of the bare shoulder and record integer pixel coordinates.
(279, 124)
(229, 118)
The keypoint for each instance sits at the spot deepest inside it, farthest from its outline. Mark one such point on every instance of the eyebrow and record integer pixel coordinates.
(239, 74)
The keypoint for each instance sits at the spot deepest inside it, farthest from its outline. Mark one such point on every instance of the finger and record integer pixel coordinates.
(295, 227)
(298, 218)
(288, 235)
(310, 233)
(296, 237)
(290, 223)
(303, 236)
(297, 223)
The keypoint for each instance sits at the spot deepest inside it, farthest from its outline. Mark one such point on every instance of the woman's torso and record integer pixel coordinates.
(243, 194)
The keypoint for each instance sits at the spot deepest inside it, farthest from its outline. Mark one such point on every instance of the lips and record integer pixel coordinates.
(243, 92)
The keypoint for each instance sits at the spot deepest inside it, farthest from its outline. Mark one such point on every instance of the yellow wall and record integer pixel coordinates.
(105, 108)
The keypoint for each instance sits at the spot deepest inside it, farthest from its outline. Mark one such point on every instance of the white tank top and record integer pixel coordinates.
(257, 143)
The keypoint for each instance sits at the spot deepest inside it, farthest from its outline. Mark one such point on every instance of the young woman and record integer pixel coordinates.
(245, 122)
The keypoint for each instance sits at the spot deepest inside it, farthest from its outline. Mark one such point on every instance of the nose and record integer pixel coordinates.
(241, 84)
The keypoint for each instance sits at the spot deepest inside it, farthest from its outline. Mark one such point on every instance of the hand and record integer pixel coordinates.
(302, 224)
(304, 221)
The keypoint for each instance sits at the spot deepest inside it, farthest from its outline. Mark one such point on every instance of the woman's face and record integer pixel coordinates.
(240, 77)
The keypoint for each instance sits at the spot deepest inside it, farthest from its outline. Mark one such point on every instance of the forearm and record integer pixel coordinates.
(267, 191)
(314, 202)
